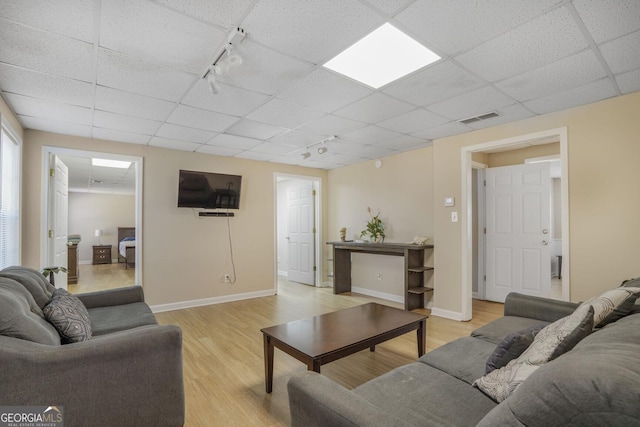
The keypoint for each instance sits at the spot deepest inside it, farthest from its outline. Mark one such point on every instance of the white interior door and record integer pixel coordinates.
(301, 233)
(518, 217)
(59, 219)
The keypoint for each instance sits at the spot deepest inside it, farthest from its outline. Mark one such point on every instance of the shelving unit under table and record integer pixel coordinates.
(414, 268)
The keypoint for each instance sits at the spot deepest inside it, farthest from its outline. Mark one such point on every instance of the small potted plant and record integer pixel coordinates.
(50, 271)
(375, 228)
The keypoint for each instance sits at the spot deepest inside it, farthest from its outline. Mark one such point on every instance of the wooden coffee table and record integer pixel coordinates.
(328, 337)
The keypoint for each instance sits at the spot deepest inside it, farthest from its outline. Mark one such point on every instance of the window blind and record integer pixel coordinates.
(10, 170)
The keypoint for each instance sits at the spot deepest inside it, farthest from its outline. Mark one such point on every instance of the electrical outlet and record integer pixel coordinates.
(379, 276)
(227, 278)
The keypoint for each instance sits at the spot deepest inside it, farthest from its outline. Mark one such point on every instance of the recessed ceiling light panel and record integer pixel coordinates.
(110, 163)
(383, 56)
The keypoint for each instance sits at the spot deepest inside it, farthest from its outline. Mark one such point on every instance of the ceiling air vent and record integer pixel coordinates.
(478, 118)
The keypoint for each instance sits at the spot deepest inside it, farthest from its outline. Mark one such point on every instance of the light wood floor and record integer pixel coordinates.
(102, 276)
(223, 352)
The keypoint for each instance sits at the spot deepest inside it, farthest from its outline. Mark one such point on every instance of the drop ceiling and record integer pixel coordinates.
(129, 71)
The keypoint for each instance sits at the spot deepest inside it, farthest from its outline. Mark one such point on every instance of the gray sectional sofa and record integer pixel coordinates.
(597, 382)
(121, 368)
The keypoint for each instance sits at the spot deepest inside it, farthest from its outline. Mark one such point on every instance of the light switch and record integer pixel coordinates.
(454, 216)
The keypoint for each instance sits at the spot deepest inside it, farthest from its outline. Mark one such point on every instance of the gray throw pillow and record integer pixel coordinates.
(70, 317)
(512, 346)
(551, 342)
(19, 319)
(612, 305)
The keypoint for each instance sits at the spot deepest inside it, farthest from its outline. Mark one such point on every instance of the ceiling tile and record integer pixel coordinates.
(325, 91)
(629, 82)
(375, 108)
(371, 135)
(221, 13)
(252, 155)
(616, 53)
(283, 113)
(435, 83)
(390, 7)
(471, 104)
(413, 121)
(201, 119)
(264, 70)
(50, 110)
(156, 34)
(273, 148)
(52, 88)
(607, 19)
(575, 70)
(335, 159)
(45, 52)
(298, 139)
(529, 46)
(234, 142)
(332, 125)
(55, 126)
(586, 94)
(131, 104)
(218, 151)
(256, 130)
(117, 135)
(173, 144)
(71, 18)
(295, 27)
(229, 100)
(123, 72)
(455, 26)
(108, 120)
(182, 133)
(442, 131)
(357, 149)
(403, 143)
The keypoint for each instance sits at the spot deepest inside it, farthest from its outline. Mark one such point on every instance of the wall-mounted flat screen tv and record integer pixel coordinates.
(208, 190)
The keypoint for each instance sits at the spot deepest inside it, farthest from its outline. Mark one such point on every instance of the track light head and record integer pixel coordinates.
(306, 155)
(322, 150)
(213, 84)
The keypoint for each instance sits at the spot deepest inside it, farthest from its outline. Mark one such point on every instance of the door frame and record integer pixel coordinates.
(318, 224)
(541, 137)
(480, 214)
(61, 151)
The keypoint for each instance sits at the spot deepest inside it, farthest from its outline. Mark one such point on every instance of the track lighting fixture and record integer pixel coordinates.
(321, 150)
(224, 59)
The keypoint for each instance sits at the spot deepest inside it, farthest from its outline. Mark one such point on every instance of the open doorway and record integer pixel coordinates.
(97, 216)
(298, 227)
(469, 251)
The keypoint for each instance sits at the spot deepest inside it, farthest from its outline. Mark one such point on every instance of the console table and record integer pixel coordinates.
(414, 267)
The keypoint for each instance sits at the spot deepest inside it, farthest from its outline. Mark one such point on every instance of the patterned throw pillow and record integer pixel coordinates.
(511, 347)
(552, 341)
(69, 316)
(612, 305)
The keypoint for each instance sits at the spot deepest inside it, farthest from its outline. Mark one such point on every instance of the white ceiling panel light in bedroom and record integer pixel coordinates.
(383, 56)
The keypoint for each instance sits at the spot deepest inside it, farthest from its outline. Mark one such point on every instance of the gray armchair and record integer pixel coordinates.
(128, 374)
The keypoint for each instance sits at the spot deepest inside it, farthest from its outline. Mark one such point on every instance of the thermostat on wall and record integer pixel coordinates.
(449, 201)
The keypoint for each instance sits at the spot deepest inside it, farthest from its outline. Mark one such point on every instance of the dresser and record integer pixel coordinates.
(101, 254)
(72, 263)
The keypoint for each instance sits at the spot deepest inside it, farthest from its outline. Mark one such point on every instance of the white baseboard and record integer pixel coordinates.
(453, 315)
(283, 273)
(376, 294)
(209, 301)
(85, 262)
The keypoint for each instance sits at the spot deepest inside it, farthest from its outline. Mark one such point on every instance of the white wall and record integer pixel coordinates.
(91, 211)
